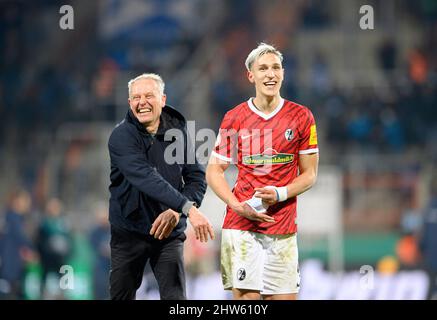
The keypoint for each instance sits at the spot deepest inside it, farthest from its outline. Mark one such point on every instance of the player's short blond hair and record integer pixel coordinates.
(153, 76)
(261, 50)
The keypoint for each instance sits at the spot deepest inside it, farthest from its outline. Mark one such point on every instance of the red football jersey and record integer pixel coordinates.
(265, 149)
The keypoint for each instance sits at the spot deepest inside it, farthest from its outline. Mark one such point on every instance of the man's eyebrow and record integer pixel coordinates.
(266, 65)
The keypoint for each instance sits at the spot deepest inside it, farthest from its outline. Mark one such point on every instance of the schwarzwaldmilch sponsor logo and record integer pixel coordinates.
(269, 156)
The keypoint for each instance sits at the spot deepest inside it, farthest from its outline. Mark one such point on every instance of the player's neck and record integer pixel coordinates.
(266, 104)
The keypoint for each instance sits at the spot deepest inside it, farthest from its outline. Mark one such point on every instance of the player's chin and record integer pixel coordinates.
(270, 92)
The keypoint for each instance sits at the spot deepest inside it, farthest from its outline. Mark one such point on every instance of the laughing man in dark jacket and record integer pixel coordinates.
(151, 195)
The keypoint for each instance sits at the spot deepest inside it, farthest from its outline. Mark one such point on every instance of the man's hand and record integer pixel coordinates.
(201, 225)
(268, 195)
(164, 224)
(244, 210)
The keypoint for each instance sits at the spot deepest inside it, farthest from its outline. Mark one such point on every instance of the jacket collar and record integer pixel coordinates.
(170, 118)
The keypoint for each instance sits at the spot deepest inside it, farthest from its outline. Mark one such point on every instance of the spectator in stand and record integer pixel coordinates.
(99, 238)
(54, 246)
(428, 242)
(16, 248)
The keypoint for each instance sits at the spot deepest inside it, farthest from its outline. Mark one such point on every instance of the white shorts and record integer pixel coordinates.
(261, 262)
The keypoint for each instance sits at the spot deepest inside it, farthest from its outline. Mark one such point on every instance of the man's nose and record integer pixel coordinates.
(143, 100)
(270, 73)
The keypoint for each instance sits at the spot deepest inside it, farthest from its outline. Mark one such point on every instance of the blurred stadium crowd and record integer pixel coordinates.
(373, 93)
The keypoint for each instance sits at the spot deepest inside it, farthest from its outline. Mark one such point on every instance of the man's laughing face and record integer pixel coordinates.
(146, 101)
(267, 74)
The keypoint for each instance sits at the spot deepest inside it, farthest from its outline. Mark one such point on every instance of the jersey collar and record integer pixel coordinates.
(263, 115)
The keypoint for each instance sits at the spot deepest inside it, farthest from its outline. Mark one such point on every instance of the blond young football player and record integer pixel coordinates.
(273, 142)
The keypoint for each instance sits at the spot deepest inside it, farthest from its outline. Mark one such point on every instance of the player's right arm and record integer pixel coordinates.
(225, 152)
(215, 177)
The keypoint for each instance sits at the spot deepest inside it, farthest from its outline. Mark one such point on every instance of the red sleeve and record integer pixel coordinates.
(225, 145)
(309, 134)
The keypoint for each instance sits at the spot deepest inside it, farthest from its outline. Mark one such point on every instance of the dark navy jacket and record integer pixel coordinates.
(143, 184)
(11, 242)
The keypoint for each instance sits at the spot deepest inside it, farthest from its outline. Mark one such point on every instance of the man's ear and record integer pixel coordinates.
(164, 99)
(250, 76)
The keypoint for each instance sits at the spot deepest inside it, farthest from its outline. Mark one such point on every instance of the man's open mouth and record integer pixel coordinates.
(270, 84)
(144, 110)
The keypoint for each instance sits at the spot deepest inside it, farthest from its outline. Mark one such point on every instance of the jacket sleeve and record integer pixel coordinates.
(127, 155)
(195, 184)
(194, 176)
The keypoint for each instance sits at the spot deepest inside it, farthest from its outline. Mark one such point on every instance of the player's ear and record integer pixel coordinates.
(250, 76)
(164, 99)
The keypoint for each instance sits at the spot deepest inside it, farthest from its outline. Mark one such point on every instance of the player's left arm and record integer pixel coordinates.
(308, 166)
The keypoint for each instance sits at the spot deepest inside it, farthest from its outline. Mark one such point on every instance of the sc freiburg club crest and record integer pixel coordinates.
(289, 134)
(241, 274)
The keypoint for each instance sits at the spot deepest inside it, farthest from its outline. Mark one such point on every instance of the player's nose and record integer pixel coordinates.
(270, 73)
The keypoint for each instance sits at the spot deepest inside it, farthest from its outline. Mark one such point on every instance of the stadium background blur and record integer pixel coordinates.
(373, 93)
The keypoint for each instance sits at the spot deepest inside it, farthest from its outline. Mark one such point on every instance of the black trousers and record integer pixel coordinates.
(129, 255)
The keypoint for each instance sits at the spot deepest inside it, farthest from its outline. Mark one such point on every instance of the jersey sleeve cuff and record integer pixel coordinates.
(307, 151)
(219, 156)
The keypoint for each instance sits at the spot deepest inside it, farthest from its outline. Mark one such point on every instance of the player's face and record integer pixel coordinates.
(146, 101)
(267, 74)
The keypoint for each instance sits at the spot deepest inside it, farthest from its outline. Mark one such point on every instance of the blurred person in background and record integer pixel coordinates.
(16, 247)
(54, 244)
(270, 139)
(99, 238)
(428, 240)
(387, 56)
(152, 196)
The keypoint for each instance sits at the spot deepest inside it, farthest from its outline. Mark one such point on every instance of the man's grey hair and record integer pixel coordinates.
(153, 76)
(261, 50)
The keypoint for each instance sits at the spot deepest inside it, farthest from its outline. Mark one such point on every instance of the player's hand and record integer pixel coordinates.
(201, 225)
(268, 195)
(164, 224)
(244, 210)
